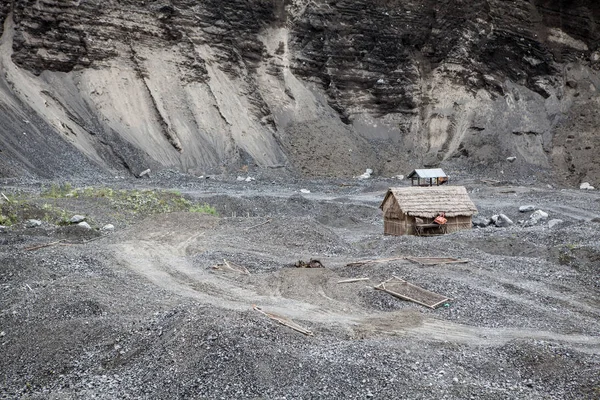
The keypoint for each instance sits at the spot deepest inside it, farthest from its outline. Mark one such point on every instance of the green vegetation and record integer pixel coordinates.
(57, 191)
(203, 209)
(57, 202)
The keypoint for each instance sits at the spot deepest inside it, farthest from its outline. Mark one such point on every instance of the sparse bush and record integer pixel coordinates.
(203, 209)
(58, 191)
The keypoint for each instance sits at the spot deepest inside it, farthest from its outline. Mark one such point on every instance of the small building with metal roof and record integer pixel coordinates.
(428, 177)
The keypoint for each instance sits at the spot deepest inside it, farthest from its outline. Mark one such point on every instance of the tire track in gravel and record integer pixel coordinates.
(164, 263)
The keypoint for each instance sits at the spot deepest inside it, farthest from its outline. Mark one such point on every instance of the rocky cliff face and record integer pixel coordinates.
(322, 87)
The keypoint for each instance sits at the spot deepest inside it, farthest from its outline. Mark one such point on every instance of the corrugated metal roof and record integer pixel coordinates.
(428, 173)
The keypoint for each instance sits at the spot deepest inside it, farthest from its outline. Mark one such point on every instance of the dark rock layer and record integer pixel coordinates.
(384, 60)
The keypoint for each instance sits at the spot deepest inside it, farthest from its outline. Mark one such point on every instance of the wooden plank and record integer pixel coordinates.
(402, 296)
(354, 280)
(376, 261)
(435, 298)
(437, 260)
(41, 246)
(284, 321)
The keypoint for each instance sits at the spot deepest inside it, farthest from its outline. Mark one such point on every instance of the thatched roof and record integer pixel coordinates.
(427, 202)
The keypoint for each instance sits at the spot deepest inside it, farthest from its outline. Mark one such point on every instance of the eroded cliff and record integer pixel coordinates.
(321, 87)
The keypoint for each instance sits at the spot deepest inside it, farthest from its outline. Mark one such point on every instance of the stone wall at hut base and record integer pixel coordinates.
(314, 87)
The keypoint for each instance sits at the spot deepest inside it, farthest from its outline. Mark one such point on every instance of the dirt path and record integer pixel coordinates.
(164, 257)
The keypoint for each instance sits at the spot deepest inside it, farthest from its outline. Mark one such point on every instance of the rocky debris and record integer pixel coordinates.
(501, 221)
(3, 228)
(311, 264)
(91, 315)
(554, 222)
(84, 225)
(586, 186)
(75, 219)
(511, 159)
(107, 228)
(481, 221)
(536, 217)
(399, 177)
(32, 223)
(527, 208)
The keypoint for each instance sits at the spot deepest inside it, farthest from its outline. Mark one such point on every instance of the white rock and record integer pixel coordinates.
(527, 208)
(249, 179)
(553, 222)
(304, 191)
(511, 159)
(84, 225)
(32, 223)
(536, 217)
(240, 178)
(399, 177)
(2, 228)
(367, 174)
(539, 214)
(144, 172)
(108, 228)
(75, 219)
(586, 186)
(502, 221)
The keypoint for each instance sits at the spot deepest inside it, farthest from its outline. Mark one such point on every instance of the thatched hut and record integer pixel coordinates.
(412, 210)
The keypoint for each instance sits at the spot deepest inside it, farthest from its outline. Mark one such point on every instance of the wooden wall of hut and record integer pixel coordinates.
(406, 225)
(459, 223)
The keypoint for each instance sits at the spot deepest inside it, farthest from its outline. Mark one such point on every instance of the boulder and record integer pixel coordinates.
(481, 221)
(553, 222)
(32, 223)
(527, 208)
(536, 217)
(305, 191)
(511, 159)
(367, 174)
(2, 229)
(84, 225)
(75, 219)
(586, 186)
(144, 172)
(108, 228)
(502, 221)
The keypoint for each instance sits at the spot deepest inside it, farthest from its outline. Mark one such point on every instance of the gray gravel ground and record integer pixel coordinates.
(140, 313)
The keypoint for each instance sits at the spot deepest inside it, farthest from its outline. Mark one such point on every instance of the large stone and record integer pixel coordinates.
(108, 228)
(481, 222)
(84, 225)
(32, 223)
(553, 222)
(367, 174)
(502, 221)
(527, 208)
(586, 186)
(536, 217)
(75, 219)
